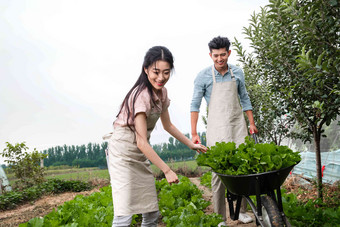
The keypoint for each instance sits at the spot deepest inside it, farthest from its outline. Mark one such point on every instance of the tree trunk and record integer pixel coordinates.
(317, 136)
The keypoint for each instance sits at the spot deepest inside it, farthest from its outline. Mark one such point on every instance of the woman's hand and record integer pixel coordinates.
(171, 176)
(199, 147)
(195, 139)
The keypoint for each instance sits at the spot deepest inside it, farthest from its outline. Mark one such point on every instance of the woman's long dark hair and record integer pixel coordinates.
(153, 55)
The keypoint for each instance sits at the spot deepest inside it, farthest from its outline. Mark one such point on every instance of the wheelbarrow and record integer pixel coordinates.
(268, 209)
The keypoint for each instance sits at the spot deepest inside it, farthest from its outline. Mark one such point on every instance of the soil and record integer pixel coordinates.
(46, 204)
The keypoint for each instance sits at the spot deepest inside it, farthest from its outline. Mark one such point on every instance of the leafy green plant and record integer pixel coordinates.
(313, 213)
(247, 158)
(182, 205)
(206, 179)
(93, 210)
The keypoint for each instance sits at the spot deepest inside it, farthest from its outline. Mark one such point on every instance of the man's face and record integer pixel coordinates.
(220, 58)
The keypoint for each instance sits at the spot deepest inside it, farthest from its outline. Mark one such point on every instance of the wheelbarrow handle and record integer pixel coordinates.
(255, 138)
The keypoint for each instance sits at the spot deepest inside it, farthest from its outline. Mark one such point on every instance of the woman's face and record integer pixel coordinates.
(158, 74)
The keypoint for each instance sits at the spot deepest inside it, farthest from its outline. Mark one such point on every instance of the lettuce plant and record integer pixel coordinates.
(247, 158)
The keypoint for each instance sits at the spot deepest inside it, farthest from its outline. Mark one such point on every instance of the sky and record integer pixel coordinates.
(66, 65)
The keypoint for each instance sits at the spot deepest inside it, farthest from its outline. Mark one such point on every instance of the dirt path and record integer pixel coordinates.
(207, 195)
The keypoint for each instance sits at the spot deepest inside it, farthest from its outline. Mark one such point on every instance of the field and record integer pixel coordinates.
(46, 204)
(100, 178)
(88, 174)
(85, 174)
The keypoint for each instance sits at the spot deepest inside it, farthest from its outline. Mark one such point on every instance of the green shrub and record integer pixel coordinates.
(10, 200)
(25, 165)
(314, 213)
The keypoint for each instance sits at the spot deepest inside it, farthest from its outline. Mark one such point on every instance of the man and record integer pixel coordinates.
(223, 87)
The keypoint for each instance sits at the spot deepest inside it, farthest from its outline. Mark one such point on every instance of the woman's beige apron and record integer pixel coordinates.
(132, 181)
(225, 123)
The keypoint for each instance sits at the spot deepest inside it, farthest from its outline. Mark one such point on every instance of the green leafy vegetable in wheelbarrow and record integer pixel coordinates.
(247, 158)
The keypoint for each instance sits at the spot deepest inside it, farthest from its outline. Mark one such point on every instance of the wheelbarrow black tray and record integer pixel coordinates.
(246, 184)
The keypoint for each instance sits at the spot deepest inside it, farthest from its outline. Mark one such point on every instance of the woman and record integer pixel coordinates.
(129, 151)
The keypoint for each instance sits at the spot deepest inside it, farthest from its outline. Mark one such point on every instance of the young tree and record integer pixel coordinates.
(271, 118)
(297, 47)
(25, 165)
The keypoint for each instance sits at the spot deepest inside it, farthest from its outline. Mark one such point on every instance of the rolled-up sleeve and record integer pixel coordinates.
(243, 94)
(199, 90)
(142, 103)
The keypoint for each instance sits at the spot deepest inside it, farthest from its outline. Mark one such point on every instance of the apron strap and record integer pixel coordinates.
(213, 73)
(232, 74)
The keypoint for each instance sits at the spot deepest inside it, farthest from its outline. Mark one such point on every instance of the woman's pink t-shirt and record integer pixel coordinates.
(143, 105)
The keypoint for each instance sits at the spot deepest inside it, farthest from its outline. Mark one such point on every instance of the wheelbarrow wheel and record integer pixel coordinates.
(270, 213)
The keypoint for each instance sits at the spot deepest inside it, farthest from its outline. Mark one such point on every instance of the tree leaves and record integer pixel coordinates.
(296, 43)
(25, 165)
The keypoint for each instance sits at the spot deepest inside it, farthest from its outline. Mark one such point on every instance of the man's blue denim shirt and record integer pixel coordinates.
(204, 82)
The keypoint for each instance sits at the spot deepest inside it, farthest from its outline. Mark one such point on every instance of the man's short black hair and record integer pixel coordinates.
(218, 43)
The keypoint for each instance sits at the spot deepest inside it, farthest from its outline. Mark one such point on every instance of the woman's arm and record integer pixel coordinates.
(144, 146)
(170, 128)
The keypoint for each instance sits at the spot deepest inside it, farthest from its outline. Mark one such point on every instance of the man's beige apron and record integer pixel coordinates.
(132, 181)
(225, 123)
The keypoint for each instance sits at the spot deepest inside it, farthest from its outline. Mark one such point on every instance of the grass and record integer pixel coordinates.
(82, 174)
(54, 171)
